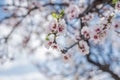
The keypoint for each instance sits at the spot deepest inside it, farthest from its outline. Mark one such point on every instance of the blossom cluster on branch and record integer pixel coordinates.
(89, 27)
(96, 33)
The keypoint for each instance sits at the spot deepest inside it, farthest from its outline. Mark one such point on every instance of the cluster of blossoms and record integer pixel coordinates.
(56, 27)
(96, 33)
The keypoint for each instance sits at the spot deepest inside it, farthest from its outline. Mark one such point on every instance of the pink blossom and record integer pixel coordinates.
(86, 32)
(95, 37)
(87, 18)
(117, 6)
(72, 11)
(98, 35)
(98, 28)
(115, 24)
(54, 46)
(48, 44)
(83, 47)
(53, 26)
(61, 26)
(67, 57)
(77, 36)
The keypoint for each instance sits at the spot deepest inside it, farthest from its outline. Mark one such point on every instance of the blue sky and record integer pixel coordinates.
(2, 13)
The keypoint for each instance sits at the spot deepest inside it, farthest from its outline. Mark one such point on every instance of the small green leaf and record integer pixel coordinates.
(61, 14)
(114, 1)
(47, 38)
(54, 15)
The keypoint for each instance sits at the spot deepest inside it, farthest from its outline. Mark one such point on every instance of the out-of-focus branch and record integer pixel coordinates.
(47, 4)
(11, 5)
(11, 16)
(93, 5)
(105, 67)
(22, 16)
(27, 7)
(15, 26)
(53, 4)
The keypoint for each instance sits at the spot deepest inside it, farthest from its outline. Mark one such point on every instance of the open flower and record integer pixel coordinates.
(87, 18)
(115, 24)
(83, 47)
(86, 32)
(72, 11)
(53, 26)
(49, 40)
(97, 29)
(67, 57)
(48, 44)
(55, 46)
(117, 6)
(95, 37)
(77, 36)
(61, 26)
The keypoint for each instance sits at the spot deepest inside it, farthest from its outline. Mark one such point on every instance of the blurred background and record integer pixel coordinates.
(23, 56)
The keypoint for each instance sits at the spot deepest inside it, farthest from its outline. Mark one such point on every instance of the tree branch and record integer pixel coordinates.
(53, 4)
(105, 67)
(15, 26)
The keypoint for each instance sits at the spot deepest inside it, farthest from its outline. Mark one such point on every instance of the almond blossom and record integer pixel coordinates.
(83, 47)
(72, 11)
(95, 37)
(86, 32)
(115, 24)
(53, 26)
(67, 57)
(54, 46)
(99, 33)
(77, 36)
(49, 41)
(87, 18)
(57, 27)
(48, 44)
(61, 26)
(117, 6)
(98, 28)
